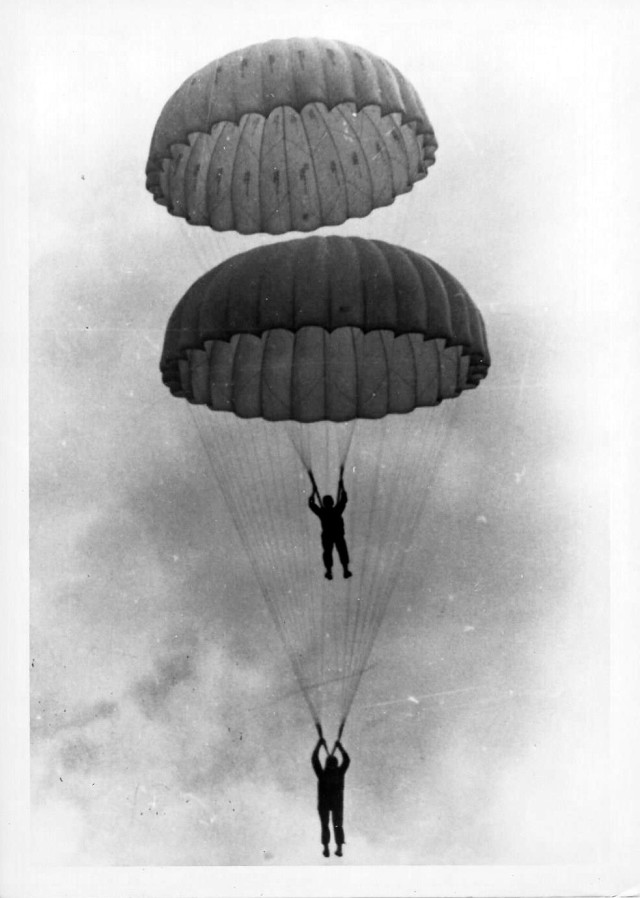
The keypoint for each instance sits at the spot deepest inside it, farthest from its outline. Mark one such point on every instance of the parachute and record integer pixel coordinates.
(289, 135)
(303, 356)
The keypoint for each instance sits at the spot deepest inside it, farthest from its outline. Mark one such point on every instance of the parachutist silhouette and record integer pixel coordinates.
(330, 793)
(330, 515)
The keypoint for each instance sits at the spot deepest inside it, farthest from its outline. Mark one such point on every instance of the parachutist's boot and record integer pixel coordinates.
(339, 850)
(326, 851)
(329, 575)
(347, 573)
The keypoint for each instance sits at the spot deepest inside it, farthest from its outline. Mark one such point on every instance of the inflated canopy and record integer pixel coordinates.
(289, 135)
(324, 328)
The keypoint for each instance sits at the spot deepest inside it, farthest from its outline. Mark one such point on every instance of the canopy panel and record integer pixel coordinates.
(312, 375)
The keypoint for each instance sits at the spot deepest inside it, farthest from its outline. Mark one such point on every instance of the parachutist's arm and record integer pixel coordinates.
(346, 760)
(313, 505)
(342, 495)
(314, 491)
(315, 757)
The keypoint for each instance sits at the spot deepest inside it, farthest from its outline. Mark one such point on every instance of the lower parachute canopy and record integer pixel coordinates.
(326, 351)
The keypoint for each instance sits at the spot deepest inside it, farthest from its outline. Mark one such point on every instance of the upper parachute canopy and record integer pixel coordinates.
(324, 328)
(289, 135)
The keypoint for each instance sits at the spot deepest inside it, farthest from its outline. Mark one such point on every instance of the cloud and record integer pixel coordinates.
(152, 691)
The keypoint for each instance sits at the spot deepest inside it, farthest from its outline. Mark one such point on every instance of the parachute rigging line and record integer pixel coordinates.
(402, 516)
(246, 507)
(327, 628)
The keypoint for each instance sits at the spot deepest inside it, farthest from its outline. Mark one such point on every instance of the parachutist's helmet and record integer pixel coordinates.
(327, 501)
(332, 763)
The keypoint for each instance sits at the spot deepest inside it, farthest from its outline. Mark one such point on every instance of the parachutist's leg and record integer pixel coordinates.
(327, 555)
(343, 554)
(324, 828)
(338, 831)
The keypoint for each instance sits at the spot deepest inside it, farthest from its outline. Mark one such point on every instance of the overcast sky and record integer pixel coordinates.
(166, 725)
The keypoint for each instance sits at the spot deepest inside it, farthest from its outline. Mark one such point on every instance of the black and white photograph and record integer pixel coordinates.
(320, 435)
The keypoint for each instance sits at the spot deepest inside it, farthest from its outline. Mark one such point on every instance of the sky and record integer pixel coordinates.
(166, 728)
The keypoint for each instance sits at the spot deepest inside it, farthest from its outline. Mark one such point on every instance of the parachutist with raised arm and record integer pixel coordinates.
(331, 793)
(330, 515)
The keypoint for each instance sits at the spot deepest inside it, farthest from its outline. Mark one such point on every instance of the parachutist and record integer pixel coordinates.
(330, 515)
(331, 793)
